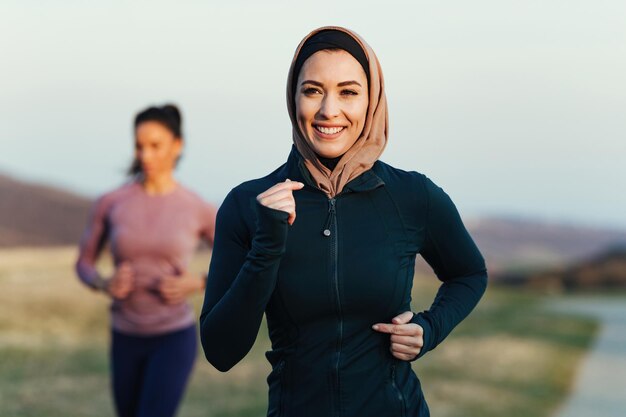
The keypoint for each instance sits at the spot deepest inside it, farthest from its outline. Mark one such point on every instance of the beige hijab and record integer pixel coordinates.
(367, 148)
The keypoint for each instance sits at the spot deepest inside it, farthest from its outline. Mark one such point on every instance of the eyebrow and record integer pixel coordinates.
(341, 84)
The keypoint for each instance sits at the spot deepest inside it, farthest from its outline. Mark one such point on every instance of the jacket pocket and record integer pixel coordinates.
(398, 396)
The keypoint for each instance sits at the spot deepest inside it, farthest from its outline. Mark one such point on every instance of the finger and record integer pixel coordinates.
(168, 291)
(125, 288)
(410, 329)
(404, 356)
(173, 300)
(287, 185)
(124, 276)
(383, 327)
(166, 282)
(409, 350)
(415, 341)
(276, 197)
(288, 205)
(120, 293)
(402, 318)
(292, 217)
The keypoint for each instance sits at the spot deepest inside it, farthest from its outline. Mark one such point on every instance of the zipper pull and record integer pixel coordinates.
(331, 215)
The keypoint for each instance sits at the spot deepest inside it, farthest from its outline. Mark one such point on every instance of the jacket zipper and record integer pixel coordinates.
(330, 230)
(397, 390)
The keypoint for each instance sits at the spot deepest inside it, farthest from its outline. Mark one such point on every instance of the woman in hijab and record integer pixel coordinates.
(325, 246)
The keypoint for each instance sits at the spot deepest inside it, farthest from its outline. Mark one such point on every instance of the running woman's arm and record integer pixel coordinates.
(457, 262)
(93, 240)
(242, 276)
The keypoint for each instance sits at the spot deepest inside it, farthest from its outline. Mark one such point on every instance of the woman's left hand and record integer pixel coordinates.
(407, 339)
(175, 289)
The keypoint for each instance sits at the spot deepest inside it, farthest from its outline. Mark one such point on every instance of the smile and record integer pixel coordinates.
(329, 130)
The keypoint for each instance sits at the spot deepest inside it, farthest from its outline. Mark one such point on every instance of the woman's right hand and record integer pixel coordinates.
(122, 282)
(280, 197)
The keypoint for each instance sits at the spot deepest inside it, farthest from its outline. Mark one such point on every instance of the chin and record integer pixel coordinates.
(330, 151)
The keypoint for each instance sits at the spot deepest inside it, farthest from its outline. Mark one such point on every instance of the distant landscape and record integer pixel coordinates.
(39, 215)
(518, 251)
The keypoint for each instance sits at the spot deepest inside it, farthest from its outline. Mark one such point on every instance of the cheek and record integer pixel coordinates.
(358, 114)
(305, 110)
(166, 156)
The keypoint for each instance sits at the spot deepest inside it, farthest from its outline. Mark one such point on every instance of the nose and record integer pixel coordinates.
(330, 107)
(144, 155)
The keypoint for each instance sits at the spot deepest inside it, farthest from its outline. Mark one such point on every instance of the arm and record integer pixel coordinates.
(241, 280)
(91, 244)
(450, 251)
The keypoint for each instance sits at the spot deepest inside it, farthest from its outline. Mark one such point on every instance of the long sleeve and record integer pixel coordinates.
(91, 244)
(450, 251)
(241, 280)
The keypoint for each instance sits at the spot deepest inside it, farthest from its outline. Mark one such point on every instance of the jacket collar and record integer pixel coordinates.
(295, 170)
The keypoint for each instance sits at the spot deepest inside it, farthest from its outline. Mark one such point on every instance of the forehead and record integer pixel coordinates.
(331, 65)
(152, 130)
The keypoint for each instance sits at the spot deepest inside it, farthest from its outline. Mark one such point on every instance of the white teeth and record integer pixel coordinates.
(329, 130)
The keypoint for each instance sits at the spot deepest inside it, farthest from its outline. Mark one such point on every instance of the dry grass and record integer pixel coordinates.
(510, 358)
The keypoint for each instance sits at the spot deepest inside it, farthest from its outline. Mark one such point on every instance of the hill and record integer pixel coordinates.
(522, 244)
(39, 215)
(605, 271)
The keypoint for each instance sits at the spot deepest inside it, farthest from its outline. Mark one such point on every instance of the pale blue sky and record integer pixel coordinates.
(513, 107)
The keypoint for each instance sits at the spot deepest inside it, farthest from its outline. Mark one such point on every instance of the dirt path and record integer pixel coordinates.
(600, 387)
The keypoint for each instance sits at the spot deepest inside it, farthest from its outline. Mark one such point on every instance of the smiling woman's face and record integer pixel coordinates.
(331, 100)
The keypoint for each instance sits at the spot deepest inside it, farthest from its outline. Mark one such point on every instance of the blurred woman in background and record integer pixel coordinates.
(153, 224)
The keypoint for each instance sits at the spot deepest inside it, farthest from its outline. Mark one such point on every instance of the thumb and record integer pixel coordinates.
(403, 318)
(295, 185)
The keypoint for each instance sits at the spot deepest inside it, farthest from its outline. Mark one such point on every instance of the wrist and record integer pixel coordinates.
(101, 284)
(272, 226)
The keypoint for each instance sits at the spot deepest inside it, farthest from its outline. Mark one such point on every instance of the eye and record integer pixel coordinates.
(349, 92)
(309, 91)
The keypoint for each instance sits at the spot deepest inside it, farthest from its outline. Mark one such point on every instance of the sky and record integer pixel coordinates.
(515, 108)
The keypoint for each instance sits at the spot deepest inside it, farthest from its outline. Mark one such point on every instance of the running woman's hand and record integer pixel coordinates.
(407, 339)
(122, 282)
(176, 289)
(280, 197)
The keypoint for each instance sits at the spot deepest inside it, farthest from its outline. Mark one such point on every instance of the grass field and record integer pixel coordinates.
(510, 358)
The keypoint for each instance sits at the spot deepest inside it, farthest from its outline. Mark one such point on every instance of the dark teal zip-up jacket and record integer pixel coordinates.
(345, 264)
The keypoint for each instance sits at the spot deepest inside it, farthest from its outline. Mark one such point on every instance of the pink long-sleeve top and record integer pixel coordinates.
(157, 235)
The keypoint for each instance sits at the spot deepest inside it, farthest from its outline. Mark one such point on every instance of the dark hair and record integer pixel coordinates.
(168, 115)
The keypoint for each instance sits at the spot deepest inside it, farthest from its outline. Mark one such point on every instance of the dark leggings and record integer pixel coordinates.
(150, 372)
